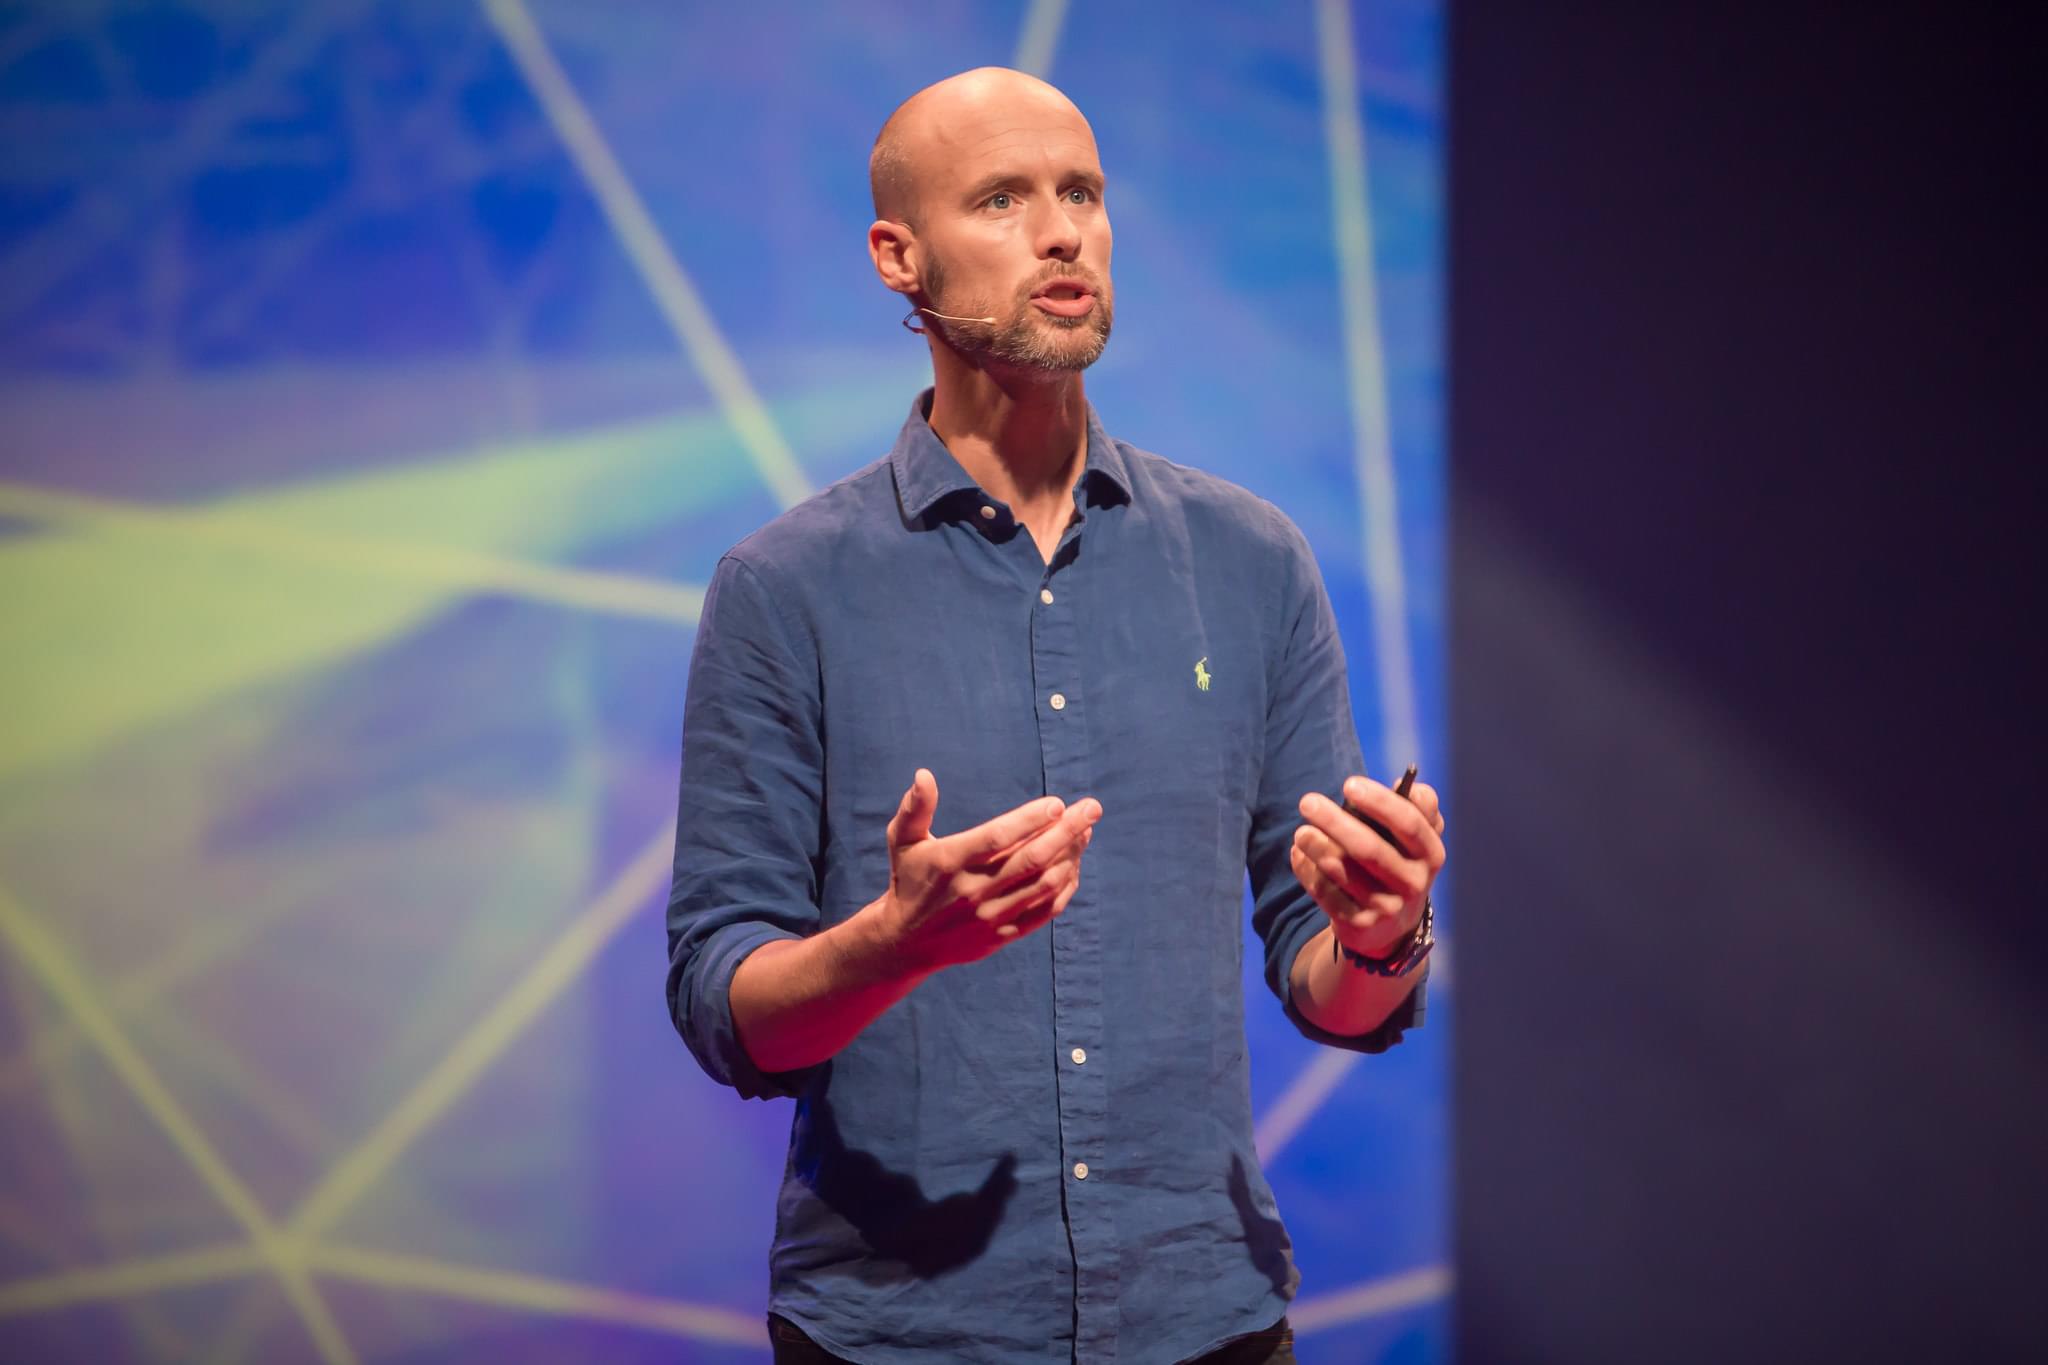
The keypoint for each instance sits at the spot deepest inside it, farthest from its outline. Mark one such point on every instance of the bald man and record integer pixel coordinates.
(1012, 1019)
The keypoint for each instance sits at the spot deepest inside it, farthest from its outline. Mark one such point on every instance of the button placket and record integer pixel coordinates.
(1078, 987)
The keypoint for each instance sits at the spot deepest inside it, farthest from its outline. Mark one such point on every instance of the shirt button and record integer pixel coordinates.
(1080, 1055)
(1059, 701)
(1080, 1170)
(988, 513)
(1045, 596)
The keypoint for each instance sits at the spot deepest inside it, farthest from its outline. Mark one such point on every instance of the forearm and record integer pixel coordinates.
(1340, 998)
(797, 1002)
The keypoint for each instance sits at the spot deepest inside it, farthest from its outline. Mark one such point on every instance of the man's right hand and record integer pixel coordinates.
(798, 1001)
(959, 898)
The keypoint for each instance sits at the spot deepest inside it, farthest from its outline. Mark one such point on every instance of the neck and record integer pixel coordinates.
(1021, 436)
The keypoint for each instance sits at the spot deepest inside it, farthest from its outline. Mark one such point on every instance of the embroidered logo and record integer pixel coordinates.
(1202, 678)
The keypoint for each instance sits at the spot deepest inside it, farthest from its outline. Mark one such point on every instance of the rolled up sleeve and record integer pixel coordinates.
(747, 819)
(1311, 744)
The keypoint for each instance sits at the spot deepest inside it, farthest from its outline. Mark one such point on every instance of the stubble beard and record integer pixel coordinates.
(1023, 337)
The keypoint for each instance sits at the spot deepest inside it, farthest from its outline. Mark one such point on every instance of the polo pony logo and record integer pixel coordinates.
(1202, 678)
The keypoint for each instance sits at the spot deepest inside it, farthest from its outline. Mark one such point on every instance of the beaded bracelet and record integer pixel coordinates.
(1407, 954)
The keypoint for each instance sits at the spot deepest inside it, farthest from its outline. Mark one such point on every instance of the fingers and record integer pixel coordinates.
(1034, 909)
(1375, 860)
(1059, 903)
(1058, 841)
(1031, 920)
(1359, 889)
(1406, 859)
(1007, 830)
(912, 822)
(1038, 883)
(1424, 796)
(1336, 903)
(1404, 818)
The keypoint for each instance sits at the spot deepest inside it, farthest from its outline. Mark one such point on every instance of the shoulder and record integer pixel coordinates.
(777, 573)
(1216, 510)
(834, 524)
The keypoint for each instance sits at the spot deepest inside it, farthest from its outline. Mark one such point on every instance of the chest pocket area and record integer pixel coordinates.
(952, 694)
(1176, 721)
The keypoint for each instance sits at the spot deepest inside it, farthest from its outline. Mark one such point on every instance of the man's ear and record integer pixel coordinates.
(893, 246)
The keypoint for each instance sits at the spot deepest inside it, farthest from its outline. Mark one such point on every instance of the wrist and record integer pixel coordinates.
(1395, 957)
(1377, 945)
(872, 950)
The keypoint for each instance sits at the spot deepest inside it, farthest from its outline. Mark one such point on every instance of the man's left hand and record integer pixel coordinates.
(1373, 890)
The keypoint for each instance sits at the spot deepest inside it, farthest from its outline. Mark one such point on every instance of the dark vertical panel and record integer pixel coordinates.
(1746, 373)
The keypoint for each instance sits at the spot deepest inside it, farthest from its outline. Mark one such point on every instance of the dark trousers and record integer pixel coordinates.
(1274, 1346)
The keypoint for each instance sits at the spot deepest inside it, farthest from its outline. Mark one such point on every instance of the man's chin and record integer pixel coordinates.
(1052, 344)
(1048, 363)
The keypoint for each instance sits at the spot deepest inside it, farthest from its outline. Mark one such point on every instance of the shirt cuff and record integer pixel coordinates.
(707, 1023)
(1407, 1015)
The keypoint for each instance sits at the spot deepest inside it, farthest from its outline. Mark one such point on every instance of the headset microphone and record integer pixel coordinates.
(950, 318)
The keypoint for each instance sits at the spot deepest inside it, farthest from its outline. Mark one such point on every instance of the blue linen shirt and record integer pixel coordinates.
(1045, 1155)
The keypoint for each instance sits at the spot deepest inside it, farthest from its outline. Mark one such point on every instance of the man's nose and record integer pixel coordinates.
(1059, 237)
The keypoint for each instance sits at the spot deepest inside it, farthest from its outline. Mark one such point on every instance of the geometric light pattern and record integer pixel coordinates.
(382, 382)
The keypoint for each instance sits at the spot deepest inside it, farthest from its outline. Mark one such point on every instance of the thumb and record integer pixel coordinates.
(913, 820)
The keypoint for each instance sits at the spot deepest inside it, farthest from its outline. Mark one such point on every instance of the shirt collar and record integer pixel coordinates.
(926, 471)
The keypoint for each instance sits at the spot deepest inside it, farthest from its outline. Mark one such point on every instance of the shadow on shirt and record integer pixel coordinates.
(904, 1228)
(1264, 1238)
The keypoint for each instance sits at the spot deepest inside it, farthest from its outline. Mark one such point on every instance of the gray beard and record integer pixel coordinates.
(1022, 342)
(1019, 342)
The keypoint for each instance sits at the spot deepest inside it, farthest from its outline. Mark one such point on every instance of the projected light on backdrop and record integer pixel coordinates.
(381, 381)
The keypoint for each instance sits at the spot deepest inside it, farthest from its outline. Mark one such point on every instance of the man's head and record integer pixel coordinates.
(988, 203)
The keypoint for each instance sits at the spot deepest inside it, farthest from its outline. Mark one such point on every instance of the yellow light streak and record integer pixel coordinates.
(1370, 1299)
(537, 1294)
(557, 969)
(674, 294)
(46, 958)
(1372, 455)
(467, 570)
(201, 943)
(1295, 1105)
(1366, 379)
(129, 1279)
(1040, 35)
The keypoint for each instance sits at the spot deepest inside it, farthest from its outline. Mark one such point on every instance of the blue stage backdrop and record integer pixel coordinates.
(381, 383)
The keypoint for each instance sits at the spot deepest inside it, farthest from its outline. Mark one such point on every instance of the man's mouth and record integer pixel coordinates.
(1064, 298)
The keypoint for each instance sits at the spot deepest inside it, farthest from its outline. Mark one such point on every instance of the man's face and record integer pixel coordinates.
(1014, 229)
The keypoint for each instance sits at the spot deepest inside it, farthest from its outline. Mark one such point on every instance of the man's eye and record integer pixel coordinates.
(999, 201)
(1079, 196)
